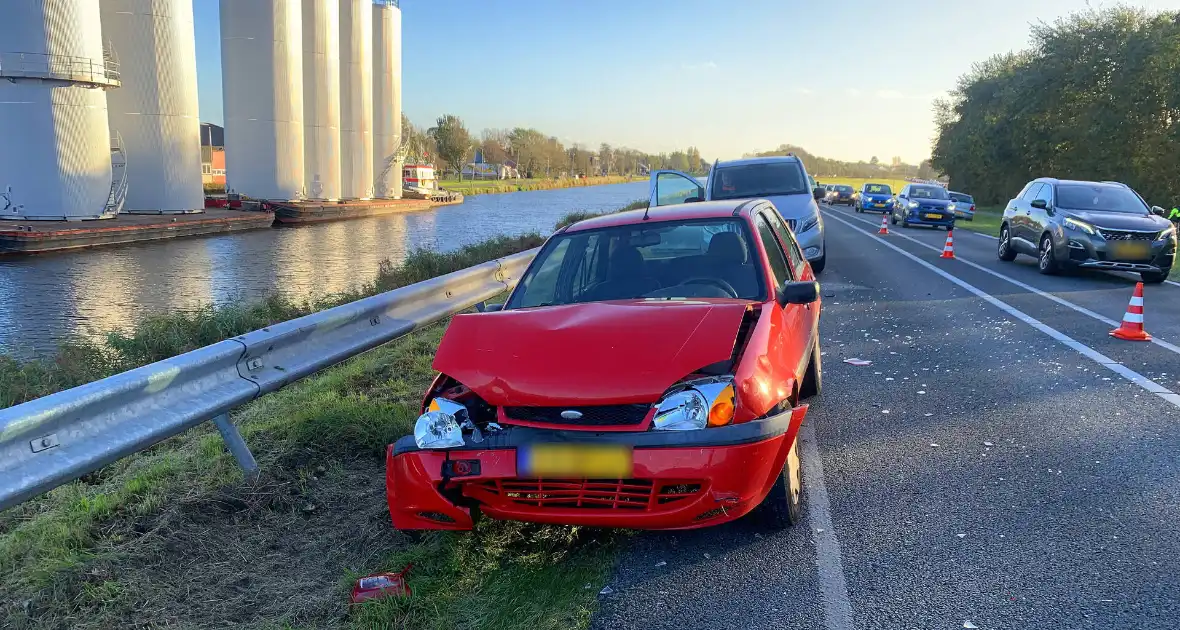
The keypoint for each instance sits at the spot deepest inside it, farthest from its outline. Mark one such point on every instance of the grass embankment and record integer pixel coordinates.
(491, 186)
(175, 535)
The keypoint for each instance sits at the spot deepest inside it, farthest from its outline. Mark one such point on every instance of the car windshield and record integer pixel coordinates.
(878, 189)
(1100, 198)
(846, 189)
(702, 258)
(928, 192)
(760, 180)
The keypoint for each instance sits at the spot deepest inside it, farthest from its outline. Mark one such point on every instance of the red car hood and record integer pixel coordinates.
(593, 353)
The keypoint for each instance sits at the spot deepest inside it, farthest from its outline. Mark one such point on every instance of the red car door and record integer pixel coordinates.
(792, 325)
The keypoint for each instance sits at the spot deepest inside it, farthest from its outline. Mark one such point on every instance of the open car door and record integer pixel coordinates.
(669, 188)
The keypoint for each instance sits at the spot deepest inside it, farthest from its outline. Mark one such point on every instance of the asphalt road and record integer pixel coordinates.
(1003, 463)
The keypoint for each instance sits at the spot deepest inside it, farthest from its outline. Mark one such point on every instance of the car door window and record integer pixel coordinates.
(673, 188)
(1046, 195)
(786, 239)
(1031, 192)
(778, 260)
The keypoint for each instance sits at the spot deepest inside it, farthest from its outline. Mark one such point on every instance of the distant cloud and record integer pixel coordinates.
(804, 91)
(698, 67)
(889, 94)
(852, 91)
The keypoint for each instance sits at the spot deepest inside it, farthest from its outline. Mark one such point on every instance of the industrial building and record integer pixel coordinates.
(101, 98)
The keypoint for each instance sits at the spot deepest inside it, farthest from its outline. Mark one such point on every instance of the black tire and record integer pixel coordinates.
(950, 227)
(1004, 249)
(904, 223)
(1046, 258)
(817, 266)
(893, 218)
(813, 377)
(783, 505)
(1153, 277)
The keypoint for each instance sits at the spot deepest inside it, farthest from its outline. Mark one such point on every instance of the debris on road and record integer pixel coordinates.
(988, 444)
(858, 362)
(934, 444)
(968, 624)
(661, 563)
(381, 585)
(606, 590)
(961, 535)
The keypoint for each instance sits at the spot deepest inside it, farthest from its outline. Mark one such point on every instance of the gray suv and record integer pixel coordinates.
(1097, 225)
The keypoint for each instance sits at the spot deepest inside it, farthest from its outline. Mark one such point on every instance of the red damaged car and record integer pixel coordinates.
(647, 372)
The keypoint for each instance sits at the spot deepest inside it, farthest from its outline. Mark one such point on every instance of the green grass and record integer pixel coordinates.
(986, 221)
(493, 186)
(175, 534)
(574, 217)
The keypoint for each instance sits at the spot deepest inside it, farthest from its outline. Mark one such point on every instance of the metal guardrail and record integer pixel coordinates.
(100, 73)
(53, 440)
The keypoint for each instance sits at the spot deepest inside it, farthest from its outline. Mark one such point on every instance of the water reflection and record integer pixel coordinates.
(44, 299)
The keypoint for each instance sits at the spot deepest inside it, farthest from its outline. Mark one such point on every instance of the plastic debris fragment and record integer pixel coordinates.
(858, 362)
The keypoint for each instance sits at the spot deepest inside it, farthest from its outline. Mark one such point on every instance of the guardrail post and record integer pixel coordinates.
(237, 446)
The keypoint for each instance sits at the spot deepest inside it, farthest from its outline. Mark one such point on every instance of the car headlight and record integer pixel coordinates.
(1167, 233)
(889, 202)
(1079, 225)
(950, 207)
(808, 223)
(440, 426)
(696, 405)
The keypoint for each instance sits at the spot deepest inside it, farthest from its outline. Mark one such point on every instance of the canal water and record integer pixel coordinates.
(45, 299)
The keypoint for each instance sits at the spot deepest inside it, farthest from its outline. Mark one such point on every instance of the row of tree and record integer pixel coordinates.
(826, 167)
(451, 146)
(1097, 97)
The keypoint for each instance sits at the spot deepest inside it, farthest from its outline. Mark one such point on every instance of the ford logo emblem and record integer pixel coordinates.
(570, 414)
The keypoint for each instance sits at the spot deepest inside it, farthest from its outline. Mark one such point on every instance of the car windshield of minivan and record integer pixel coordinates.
(928, 192)
(1100, 199)
(847, 189)
(760, 180)
(702, 258)
(878, 189)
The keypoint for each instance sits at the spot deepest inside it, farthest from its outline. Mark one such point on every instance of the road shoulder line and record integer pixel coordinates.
(833, 586)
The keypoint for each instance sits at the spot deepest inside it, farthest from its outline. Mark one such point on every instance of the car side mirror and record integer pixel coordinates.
(1158, 211)
(491, 308)
(798, 293)
(818, 193)
(1039, 203)
(692, 199)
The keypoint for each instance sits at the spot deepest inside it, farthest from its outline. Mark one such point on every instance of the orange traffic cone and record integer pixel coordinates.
(884, 224)
(948, 250)
(1132, 327)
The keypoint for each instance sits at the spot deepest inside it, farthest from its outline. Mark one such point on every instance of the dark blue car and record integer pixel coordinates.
(875, 198)
(924, 204)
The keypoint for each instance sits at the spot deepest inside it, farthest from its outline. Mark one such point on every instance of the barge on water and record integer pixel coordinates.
(36, 237)
(302, 212)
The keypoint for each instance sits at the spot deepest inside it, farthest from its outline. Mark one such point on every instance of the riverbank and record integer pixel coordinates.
(492, 186)
(282, 551)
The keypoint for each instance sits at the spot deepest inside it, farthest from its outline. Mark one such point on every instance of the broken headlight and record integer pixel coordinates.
(440, 426)
(696, 404)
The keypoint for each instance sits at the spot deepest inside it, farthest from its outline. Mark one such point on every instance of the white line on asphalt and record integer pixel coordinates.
(1090, 353)
(1028, 287)
(833, 587)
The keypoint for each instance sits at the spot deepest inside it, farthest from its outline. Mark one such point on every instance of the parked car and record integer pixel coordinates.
(1098, 225)
(781, 179)
(964, 205)
(647, 372)
(923, 204)
(840, 194)
(875, 197)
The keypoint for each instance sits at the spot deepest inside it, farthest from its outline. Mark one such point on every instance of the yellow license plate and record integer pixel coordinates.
(588, 461)
(933, 216)
(878, 205)
(1133, 250)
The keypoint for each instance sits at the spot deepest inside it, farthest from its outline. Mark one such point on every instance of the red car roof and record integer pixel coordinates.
(680, 212)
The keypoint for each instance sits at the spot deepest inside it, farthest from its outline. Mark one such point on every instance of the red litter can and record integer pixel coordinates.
(380, 585)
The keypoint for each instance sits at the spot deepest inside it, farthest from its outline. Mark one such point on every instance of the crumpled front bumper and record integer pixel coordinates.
(680, 480)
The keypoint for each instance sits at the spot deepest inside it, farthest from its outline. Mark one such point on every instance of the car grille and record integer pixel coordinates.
(603, 415)
(596, 494)
(1122, 235)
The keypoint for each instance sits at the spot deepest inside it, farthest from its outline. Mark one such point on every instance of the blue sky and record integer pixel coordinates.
(845, 79)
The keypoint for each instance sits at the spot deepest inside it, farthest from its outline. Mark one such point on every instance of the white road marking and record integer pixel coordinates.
(833, 586)
(1090, 353)
(1028, 287)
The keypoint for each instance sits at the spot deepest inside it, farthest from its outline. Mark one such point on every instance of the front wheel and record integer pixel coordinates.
(1047, 261)
(1153, 277)
(783, 505)
(817, 265)
(1004, 250)
(893, 218)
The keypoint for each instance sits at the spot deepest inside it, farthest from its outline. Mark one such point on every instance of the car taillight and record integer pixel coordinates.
(973, 207)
